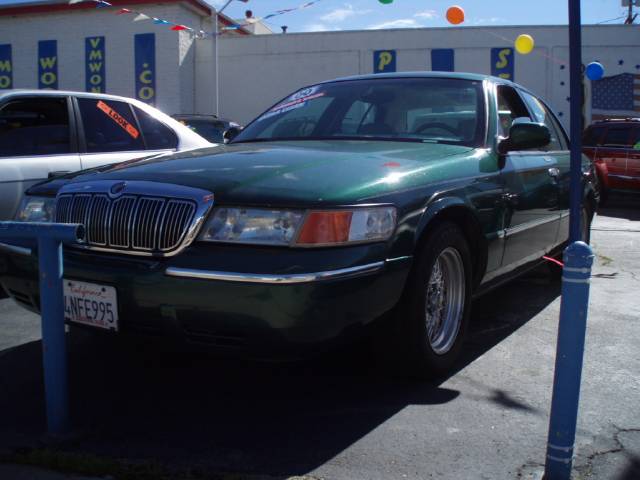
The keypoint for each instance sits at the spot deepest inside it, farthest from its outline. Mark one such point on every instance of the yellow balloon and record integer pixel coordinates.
(524, 44)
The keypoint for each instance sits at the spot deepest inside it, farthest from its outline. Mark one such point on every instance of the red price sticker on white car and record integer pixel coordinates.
(119, 119)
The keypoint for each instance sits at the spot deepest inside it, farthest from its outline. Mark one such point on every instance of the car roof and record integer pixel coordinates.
(52, 93)
(617, 121)
(420, 74)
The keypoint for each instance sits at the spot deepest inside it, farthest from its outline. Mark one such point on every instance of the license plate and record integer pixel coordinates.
(91, 304)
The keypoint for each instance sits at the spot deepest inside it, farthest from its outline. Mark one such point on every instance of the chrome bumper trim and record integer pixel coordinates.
(279, 279)
(15, 249)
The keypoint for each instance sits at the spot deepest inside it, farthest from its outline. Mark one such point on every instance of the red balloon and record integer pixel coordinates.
(455, 15)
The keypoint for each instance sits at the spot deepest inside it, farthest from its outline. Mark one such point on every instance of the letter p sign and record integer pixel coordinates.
(384, 61)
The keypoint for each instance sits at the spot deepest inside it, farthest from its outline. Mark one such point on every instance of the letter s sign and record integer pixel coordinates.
(384, 61)
(503, 63)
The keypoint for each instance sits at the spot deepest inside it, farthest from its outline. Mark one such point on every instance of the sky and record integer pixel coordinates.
(328, 15)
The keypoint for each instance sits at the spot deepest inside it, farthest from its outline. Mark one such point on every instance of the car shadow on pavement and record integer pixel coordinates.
(622, 205)
(280, 419)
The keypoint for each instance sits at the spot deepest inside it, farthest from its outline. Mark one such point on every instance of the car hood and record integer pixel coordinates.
(294, 172)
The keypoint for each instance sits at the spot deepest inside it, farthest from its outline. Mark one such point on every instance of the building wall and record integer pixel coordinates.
(256, 71)
(175, 55)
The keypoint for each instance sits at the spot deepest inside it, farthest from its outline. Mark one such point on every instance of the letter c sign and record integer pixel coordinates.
(384, 61)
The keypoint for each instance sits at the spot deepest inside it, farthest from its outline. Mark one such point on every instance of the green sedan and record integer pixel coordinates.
(379, 203)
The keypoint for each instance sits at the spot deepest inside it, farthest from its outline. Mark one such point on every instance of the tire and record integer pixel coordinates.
(604, 196)
(431, 321)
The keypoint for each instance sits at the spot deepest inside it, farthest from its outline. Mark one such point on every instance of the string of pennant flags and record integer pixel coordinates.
(140, 16)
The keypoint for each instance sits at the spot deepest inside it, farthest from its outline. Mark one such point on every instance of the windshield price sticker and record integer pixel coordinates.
(297, 100)
(309, 94)
(272, 113)
(119, 119)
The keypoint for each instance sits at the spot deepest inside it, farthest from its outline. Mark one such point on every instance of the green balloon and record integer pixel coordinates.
(385, 2)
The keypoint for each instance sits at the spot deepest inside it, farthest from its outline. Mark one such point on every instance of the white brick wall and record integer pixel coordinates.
(256, 71)
(175, 57)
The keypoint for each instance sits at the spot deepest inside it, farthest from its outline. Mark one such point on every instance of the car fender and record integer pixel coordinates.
(603, 173)
(461, 212)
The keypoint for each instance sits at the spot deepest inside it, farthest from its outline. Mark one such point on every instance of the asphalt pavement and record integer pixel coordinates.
(336, 417)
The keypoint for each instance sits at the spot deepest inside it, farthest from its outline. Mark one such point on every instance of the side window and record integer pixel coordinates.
(542, 115)
(360, 113)
(109, 126)
(592, 136)
(157, 136)
(510, 107)
(34, 126)
(617, 137)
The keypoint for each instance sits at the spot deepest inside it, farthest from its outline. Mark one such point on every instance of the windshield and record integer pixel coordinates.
(211, 130)
(398, 109)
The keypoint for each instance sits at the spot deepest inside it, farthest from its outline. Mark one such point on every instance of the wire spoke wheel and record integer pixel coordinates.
(445, 299)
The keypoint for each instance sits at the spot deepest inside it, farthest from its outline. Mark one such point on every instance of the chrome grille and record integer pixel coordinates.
(131, 223)
(122, 210)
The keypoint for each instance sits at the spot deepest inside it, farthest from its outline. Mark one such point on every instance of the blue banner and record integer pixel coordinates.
(384, 61)
(503, 63)
(48, 64)
(145, 53)
(442, 60)
(6, 67)
(95, 65)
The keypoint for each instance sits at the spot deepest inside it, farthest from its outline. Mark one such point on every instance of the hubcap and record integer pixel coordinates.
(445, 300)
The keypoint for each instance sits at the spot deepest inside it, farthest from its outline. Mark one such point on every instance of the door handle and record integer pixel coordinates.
(510, 199)
(554, 172)
(57, 174)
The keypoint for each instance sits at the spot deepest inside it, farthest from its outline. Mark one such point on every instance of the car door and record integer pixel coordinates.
(113, 131)
(531, 192)
(633, 159)
(37, 140)
(558, 148)
(613, 153)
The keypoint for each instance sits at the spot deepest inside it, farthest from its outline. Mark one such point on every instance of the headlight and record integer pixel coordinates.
(252, 225)
(37, 209)
(299, 228)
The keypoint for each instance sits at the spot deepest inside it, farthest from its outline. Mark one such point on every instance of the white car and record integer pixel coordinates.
(44, 133)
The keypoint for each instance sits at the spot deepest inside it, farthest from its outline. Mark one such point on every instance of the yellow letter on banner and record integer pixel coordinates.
(385, 59)
(48, 62)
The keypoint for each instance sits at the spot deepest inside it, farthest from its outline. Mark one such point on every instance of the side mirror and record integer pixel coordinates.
(525, 135)
(231, 133)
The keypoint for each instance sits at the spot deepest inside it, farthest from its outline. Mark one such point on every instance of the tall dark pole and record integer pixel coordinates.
(578, 259)
(575, 130)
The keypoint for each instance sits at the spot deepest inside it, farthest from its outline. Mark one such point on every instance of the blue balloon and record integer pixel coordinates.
(595, 71)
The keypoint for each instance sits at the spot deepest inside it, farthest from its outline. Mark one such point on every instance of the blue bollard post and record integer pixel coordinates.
(54, 349)
(54, 353)
(578, 259)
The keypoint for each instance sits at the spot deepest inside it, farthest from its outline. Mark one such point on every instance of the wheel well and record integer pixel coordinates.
(472, 231)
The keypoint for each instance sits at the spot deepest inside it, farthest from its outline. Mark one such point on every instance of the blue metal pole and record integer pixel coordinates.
(54, 351)
(578, 259)
(575, 130)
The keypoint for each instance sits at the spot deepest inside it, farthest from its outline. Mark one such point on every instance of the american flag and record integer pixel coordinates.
(616, 97)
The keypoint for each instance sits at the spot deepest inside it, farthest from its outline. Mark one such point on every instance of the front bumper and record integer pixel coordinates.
(231, 297)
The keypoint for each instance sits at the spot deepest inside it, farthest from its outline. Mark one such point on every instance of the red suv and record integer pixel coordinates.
(614, 147)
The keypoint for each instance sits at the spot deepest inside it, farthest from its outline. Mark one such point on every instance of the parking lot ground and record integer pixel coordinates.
(336, 417)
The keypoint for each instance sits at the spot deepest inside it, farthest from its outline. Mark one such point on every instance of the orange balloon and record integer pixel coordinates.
(455, 15)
